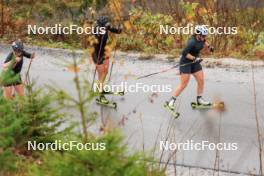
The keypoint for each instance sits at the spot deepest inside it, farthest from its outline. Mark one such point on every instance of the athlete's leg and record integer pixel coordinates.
(199, 77)
(20, 90)
(185, 77)
(8, 92)
(184, 82)
(106, 67)
(102, 70)
(102, 73)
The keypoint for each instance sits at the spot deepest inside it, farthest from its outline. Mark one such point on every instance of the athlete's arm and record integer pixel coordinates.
(5, 65)
(186, 51)
(209, 47)
(113, 29)
(7, 60)
(28, 55)
(190, 57)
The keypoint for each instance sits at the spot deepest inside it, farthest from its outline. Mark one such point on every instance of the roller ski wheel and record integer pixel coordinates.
(218, 105)
(173, 112)
(108, 104)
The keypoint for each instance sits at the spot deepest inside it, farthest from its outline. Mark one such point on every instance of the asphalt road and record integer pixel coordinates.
(144, 121)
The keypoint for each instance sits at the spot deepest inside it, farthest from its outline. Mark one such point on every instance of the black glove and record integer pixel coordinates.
(108, 25)
(120, 28)
(211, 48)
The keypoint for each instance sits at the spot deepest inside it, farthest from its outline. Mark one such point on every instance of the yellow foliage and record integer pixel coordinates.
(115, 6)
(189, 18)
(122, 62)
(202, 11)
(108, 51)
(73, 68)
(127, 25)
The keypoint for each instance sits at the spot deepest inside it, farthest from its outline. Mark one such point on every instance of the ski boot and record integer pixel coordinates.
(201, 104)
(104, 102)
(171, 108)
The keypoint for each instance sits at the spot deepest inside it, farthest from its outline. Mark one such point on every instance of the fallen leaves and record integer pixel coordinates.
(73, 68)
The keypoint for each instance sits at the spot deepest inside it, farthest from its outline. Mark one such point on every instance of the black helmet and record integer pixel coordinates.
(101, 21)
(17, 45)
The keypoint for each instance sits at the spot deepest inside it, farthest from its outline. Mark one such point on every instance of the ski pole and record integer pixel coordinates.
(97, 59)
(165, 70)
(27, 81)
(93, 79)
(113, 60)
(112, 65)
(111, 69)
(27, 73)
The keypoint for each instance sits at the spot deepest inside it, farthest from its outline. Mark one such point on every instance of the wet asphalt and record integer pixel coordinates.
(144, 122)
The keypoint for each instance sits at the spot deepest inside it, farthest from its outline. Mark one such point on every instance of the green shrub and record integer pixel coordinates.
(31, 118)
(37, 117)
(113, 161)
(260, 40)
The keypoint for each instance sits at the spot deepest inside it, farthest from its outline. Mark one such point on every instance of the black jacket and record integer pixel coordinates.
(19, 65)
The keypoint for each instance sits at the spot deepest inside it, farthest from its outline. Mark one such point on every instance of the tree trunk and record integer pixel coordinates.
(2, 18)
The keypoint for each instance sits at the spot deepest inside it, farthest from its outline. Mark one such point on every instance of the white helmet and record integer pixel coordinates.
(201, 29)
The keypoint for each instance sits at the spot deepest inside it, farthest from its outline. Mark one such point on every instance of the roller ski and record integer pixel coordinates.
(104, 102)
(171, 108)
(120, 93)
(203, 104)
(98, 89)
